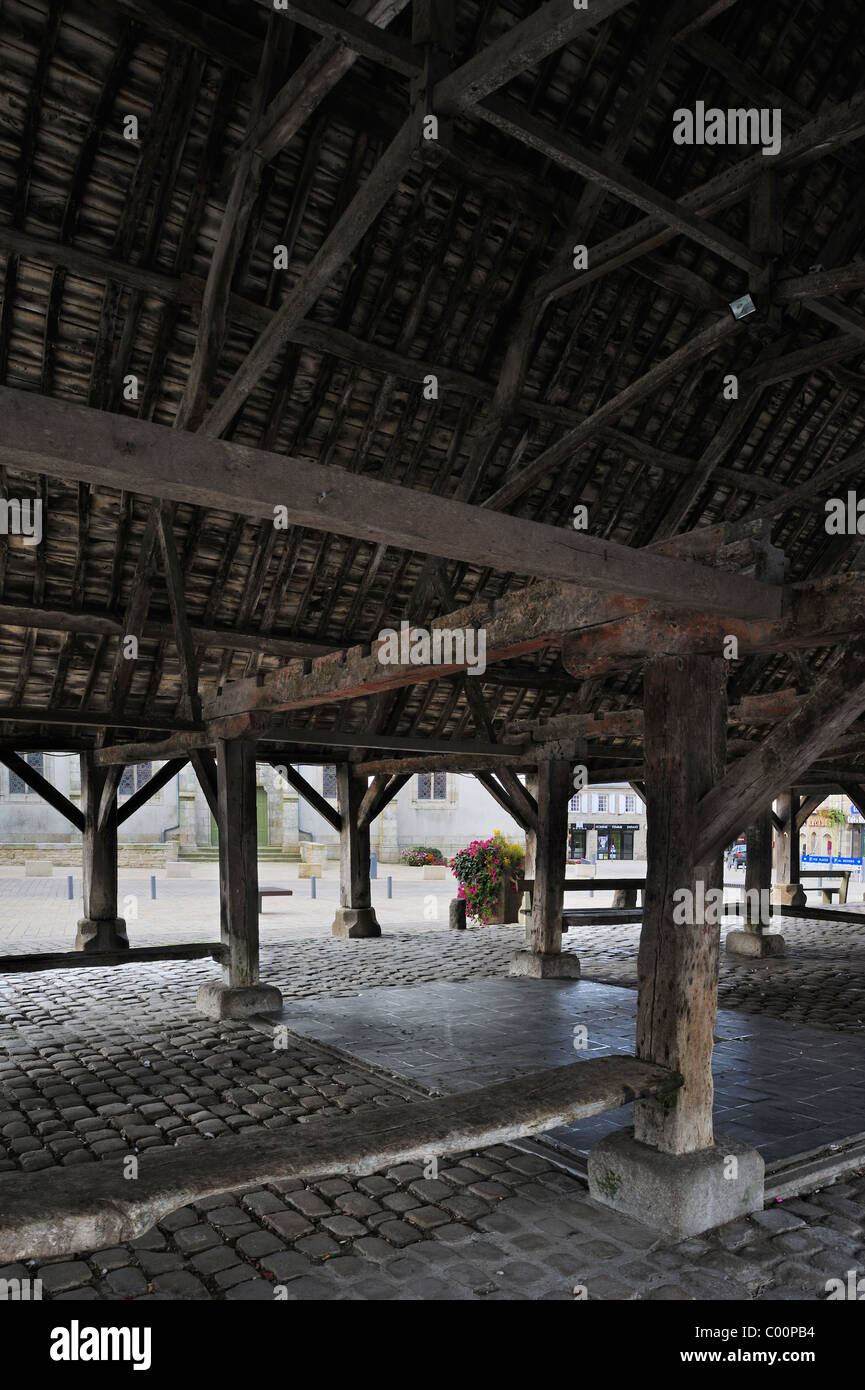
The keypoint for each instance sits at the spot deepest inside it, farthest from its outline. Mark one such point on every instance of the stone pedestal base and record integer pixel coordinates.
(355, 922)
(218, 1000)
(679, 1195)
(101, 934)
(788, 895)
(752, 943)
(533, 965)
(457, 914)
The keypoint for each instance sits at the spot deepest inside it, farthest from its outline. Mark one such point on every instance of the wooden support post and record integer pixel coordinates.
(785, 856)
(531, 857)
(239, 992)
(685, 752)
(670, 1171)
(753, 939)
(544, 959)
(100, 929)
(355, 916)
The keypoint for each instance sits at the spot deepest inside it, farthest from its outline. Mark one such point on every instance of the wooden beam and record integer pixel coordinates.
(807, 806)
(190, 701)
(348, 28)
(791, 748)
(355, 916)
(554, 793)
(381, 792)
(501, 796)
(63, 440)
(108, 808)
(544, 139)
(370, 199)
(521, 478)
(818, 613)
(92, 960)
(161, 750)
(204, 763)
(104, 624)
(160, 779)
(315, 799)
(522, 46)
(77, 718)
(39, 784)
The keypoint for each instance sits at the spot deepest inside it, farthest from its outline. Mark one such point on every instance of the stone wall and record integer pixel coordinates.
(69, 855)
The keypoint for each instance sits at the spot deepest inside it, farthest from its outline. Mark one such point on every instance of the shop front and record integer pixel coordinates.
(616, 841)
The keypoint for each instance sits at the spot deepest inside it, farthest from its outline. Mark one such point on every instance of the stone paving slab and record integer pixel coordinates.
(456, 1036)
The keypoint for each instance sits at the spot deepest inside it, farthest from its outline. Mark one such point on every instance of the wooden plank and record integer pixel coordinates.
(39, 784)
(160, 779)
(355, 916)
(62, 1210)
(315, 799)
(108, 799)
(89, 960)
(63, 440)
(685, 704)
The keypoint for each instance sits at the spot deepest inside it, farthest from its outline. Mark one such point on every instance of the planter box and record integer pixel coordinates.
(311, 852)
(435, 870)
(508, 908)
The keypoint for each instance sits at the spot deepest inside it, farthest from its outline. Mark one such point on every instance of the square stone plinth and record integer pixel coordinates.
(751, 943)
(679, 1195)
(533, 965)
(218, 1000)
(355, 922)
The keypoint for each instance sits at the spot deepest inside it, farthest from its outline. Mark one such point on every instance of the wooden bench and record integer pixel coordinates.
(272, 893)
(58, 1211)
(828, 889)
(613, 916)
(135, 955)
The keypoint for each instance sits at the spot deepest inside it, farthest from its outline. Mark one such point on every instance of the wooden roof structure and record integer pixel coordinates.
(420, 374)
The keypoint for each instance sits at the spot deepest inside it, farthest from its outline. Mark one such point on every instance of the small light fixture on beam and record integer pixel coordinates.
(741, 308)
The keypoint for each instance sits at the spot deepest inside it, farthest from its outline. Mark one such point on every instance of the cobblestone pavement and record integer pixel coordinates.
(96, 1063)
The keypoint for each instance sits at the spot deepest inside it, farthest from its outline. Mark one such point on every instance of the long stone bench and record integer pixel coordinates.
(58, 1211)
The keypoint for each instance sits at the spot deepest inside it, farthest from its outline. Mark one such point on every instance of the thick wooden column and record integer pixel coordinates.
(100, 929)
(785, 856)
(685, 712)
(543, 958)
(531, 859)
(754, 937)
(758, 866)
(239, 993)
(355, 916)
(238, 860)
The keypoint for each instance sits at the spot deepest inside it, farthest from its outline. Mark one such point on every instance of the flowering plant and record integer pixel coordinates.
(481, 868)
(418, 855)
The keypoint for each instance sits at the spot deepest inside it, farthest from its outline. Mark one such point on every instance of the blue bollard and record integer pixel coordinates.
(312, 886)
(373, 865)
(389, 886)
(70, 890)
(153, 885)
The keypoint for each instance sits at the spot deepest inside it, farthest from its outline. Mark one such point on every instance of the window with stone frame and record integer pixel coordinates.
(17, 785)
(134, 777)
(432, 786)
(328, 782)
